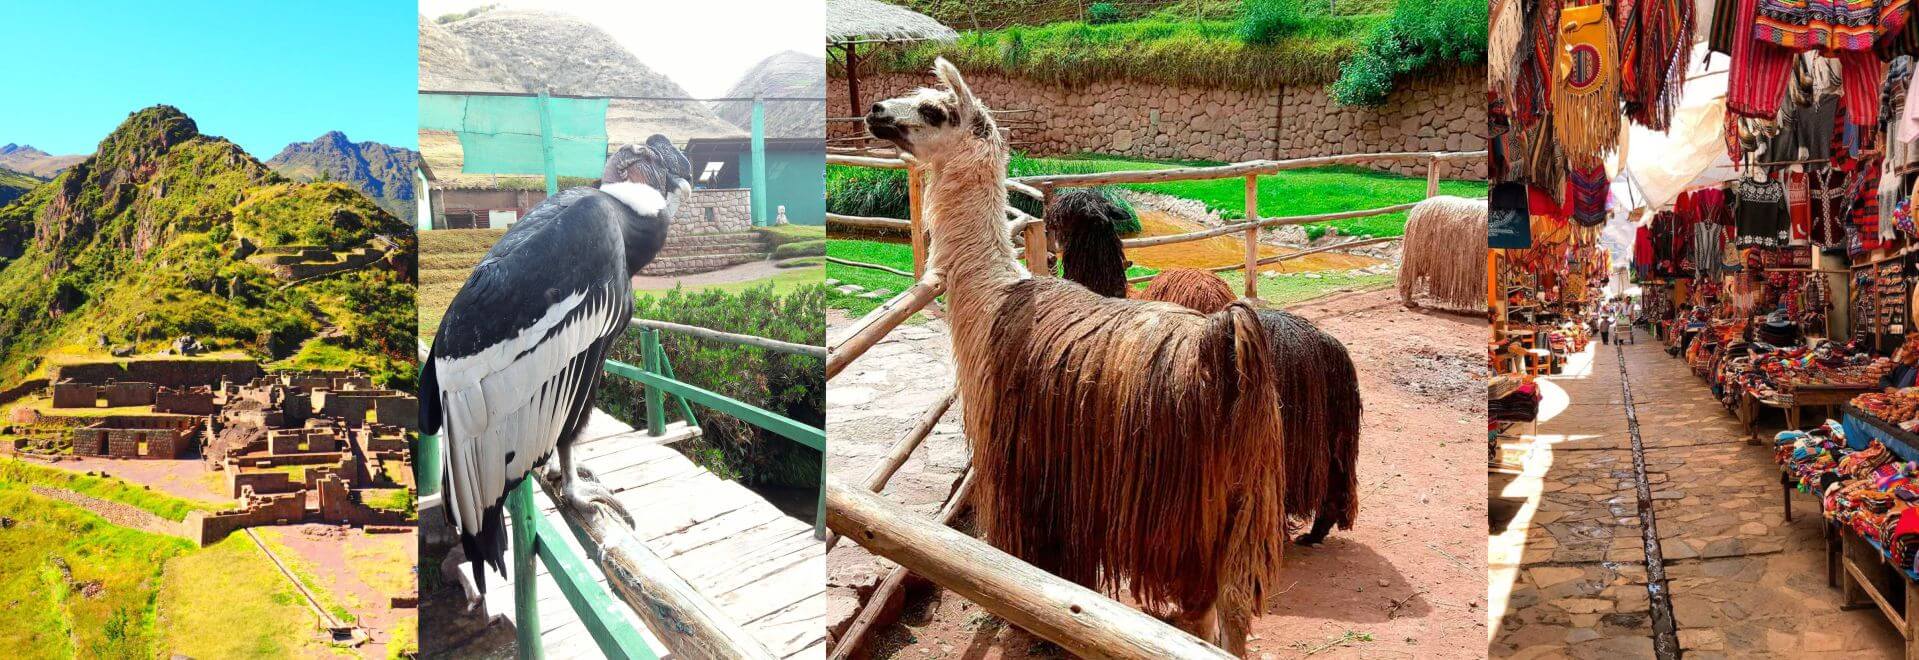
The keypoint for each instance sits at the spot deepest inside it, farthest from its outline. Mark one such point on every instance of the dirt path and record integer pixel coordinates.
(348, 563)
(183, 478)
(1408, 581)
(752, 270)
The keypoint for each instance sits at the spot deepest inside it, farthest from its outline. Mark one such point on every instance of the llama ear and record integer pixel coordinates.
(950, 75)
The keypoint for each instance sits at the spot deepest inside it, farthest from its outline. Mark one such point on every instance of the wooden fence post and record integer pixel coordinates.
(1036, 240)
(1046, 204)
(916, 227)
(1433, 167)
(1252, 236)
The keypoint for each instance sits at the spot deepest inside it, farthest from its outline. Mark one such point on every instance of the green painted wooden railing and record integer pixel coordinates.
(614, 634)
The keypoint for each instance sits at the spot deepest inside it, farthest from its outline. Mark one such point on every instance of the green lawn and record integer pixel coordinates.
(17, 472)
(783, 282)
(863, 191)
(227, 600)
(1297, 192)
(47, 618)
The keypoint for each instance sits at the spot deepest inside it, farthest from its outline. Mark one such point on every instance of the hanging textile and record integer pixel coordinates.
(1585, 96)
(1503, 46)
(1654, 60)
(1758, 70)
(1799, 208)
(1589, 189)
(1829, 206)
(1509, 223)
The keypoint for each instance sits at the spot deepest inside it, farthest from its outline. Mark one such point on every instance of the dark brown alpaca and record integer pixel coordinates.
(1318, 386)
(1125, 445)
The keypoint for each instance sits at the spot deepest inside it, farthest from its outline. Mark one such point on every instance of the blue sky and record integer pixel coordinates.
(261, 74)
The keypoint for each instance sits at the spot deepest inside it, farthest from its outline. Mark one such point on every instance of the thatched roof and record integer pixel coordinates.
(786, 74)
(867, 20)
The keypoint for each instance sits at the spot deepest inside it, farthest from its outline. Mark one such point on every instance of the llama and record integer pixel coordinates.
(1318, 386)
(1192, 288)
(1442, 252)
(1122, 445)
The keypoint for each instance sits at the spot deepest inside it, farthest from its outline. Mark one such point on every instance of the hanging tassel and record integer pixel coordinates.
(1586, 85)
(1502, 46)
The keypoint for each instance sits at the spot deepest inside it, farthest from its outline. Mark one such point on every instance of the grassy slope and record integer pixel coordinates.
(44, 618)
(19, 473)
(227, 600)
(1163, 49)
(14, 185)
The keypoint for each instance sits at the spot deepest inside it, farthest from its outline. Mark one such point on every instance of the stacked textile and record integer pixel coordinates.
(1878, 506)
(1813, 460)
(1899, 407)
(1519, 404)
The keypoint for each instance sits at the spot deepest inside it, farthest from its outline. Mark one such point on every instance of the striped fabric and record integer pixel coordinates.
(1759, 71)
(1825, 24)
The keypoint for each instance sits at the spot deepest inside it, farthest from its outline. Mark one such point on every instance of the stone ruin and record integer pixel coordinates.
(139, 436)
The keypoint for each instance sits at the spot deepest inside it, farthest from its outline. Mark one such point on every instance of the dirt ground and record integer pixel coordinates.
(741, 273)
(184, 478)
(1408, 581)
(362, 571)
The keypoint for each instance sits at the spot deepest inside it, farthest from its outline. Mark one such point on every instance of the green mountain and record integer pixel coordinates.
(165, 232)
(15, 184)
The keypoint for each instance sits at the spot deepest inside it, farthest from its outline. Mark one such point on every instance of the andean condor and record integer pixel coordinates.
(518, 355)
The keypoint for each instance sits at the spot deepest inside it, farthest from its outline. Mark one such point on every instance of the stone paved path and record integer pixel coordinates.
(875, 401)
(1569, 572)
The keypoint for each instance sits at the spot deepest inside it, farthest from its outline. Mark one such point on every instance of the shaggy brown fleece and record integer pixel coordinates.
(1444, 250)
(1320, 390)
(1318, 386)
(1191, 288)
(1132, 443)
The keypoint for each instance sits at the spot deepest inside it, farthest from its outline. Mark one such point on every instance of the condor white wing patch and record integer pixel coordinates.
(505, 405)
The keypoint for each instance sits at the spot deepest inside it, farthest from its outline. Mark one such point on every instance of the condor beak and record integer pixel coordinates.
(686, 188)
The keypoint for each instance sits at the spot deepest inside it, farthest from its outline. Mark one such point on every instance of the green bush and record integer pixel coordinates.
(1102, 13)
(791, 385)
(1418, 35)
(1264, 22)
(801, 249)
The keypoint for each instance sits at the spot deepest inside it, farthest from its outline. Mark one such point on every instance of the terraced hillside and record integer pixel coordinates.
(147, 239)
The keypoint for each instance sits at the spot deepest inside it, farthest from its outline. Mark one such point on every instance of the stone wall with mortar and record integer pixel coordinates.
(732, 211)
(259, 509)
(1437, 111)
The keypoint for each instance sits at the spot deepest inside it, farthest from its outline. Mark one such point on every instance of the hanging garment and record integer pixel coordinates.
(1504, 38)
(1827, 25)
(1653, 59)
(1724, 27)
(1509, 223)
(1762, 216)
(1757, 73)
(1589, 189)
(1798, 208)
(1585, 96)
(1829, 205)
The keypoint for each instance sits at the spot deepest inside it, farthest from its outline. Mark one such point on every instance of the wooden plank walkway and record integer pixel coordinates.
(762, 568)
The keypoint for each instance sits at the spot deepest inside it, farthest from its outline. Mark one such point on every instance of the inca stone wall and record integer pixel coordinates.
(731, 211)
(1438, 111)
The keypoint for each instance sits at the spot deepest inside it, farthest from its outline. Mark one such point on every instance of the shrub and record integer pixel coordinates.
(790, 385)
(1419, 34)
(1263, 22)
(1102, 13)
(874, 192)
(801, 249)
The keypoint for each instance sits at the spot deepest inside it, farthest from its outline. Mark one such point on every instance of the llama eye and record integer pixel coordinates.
(933, 115)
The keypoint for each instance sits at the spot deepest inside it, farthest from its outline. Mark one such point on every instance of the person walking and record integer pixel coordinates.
(1603, 319)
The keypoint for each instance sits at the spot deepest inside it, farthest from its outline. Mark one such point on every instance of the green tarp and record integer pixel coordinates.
(501, 134)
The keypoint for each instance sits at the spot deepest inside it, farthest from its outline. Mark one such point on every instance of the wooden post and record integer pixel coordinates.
(1036, 249)
(1079, 619)
(1045, 205)
(1433, 167)
(1252, 236)
(655, 401)
(853, 80)
(916, 226)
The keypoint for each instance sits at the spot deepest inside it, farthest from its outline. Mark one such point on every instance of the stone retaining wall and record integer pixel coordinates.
(1438, 111)
(714, 211)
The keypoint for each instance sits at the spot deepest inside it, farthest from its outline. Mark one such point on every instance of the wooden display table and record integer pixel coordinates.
(1832, 397)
